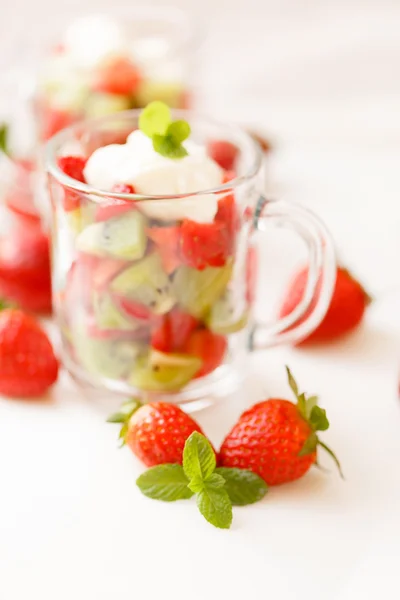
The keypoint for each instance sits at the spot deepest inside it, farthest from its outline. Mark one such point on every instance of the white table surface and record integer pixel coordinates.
(324, 81)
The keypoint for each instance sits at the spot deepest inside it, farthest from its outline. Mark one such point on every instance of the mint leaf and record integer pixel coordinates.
(165, 145)
(310, 445)
(165, 482)
(215, 506)
(215, 480)
(318, 419)
(243, 486)
(198, 457)
(196, 484)
(4, 138)
(178, 131)
(154, 119)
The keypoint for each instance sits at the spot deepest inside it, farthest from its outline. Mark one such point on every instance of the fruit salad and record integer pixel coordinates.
(101, 66)
(148, 276)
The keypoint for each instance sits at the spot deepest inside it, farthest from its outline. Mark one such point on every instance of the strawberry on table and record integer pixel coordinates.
(72, 166)
(208, 346)
(28, 366)
(277, 439)
(156, 432)
(346, 309)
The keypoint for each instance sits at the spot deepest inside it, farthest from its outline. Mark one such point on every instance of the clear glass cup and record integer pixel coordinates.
(151, 303)
(154, 63)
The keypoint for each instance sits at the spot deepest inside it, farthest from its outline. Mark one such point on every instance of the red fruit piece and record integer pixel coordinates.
(156, 432)
(72, 166)
(167, 240)
(53, 120)
(25, 268)
(135, 309)
(277, 439)
(119, 77)
(251, 274)
(114, 207)
(204, 244)
(208, 346)
(224, 153)
(346, 309)
(173, 331)
(28, 366)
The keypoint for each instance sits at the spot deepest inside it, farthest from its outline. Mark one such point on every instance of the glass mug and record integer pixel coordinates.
(148, 301)
(152, 60)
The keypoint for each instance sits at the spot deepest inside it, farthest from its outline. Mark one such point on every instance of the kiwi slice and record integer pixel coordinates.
(170, 93)
(120, 237)
(224, 318)
(80, 218)
(101, 105)
(197, 291)
(146, 283)
(104, 357)
(108, 316)
(157, 371)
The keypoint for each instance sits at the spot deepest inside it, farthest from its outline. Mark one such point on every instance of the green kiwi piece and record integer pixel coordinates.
(106, 358)
(164, 372)
(224, 318)
(108, 316)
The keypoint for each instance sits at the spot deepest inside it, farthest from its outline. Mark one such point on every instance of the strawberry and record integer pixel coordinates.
(53, 120)
(204, 244)
(208, 346)
(115, 207)
(224, 153)
(251, 274)
(277, 439)
(173, 331)
(346, 309)
(118, 76)
(72, 166)
(168, 240)
(28, 366)
(25, 267)
(156, 432)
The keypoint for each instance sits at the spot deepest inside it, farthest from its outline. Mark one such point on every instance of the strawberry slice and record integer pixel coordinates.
(173, 331)
(72, 166)
(115, 207)
(208, 346)
(224, 153)
(53, 120)
(167, 240)
(204, 244)
(119, 77)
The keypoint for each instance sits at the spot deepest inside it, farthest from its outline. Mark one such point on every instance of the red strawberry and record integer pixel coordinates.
(28, 366)
(251, 274)
(345, 312)
(208, 346)
(173, 331)
(119, 77)
(204, 244)
(156, 432)
(72, 166)
(25, 268)
(168, 242)
(224, 153)
(115, 207)
(277, 439)
(53, 120)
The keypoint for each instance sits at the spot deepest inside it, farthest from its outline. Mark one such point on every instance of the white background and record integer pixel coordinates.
(322, 78)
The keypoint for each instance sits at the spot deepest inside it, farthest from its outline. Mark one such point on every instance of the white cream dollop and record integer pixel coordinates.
(138, 164)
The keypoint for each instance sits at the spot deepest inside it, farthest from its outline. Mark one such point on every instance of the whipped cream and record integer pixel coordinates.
(138, 164)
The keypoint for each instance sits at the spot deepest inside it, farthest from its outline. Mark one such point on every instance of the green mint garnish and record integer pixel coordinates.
(4, 138)
(216, 489)
(315, 417)
(167, 136)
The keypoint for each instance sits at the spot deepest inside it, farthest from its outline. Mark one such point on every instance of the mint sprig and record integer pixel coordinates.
(167, 136)
(216, 489)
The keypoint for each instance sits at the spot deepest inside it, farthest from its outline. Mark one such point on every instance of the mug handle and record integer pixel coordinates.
(321, 273)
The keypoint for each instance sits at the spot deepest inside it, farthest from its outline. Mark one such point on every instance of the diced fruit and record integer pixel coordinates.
(117, 76)
(197, 291)
(223, 317)
(224, 153)
(101, 105)
(121, 237)
(172, 331)
(103, 357)
(167, 240)
(108, 315)
(209, 347)
(72, 166)
(144, 287)
(204, 244)
(53, 120)
(170, 93)
(227, 215)
(164, 372)
(251, 274)
(114, 207)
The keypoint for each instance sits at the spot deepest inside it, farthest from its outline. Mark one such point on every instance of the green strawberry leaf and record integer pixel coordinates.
(318, 419)
(302, 405)
(243, 486)
(178, 131)
(125, 412)
(4, 138)
(310, 445)
(310, 403)
(155, 119)
(333, 456)
(198, 457)
(165, 482)
(292, 382)
(215, 506)
(165, 145)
